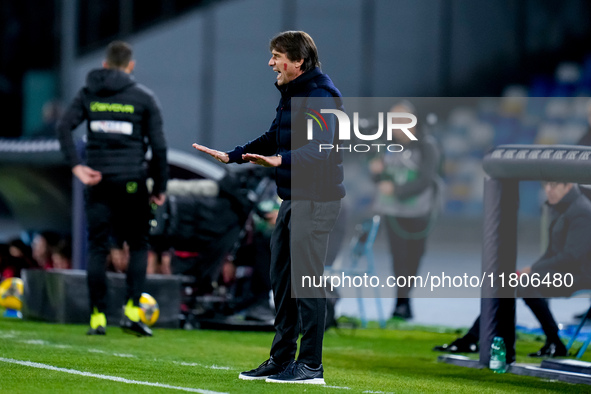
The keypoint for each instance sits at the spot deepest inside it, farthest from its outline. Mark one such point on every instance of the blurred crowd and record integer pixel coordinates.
(46, 250)
(247, 262)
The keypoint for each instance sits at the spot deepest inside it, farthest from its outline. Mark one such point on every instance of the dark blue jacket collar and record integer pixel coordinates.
(300, 84)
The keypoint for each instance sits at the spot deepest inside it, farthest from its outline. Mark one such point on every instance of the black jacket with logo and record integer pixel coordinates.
(123, 120)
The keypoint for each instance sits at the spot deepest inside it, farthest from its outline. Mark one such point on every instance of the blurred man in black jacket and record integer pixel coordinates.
(123, 120)
(568, 253)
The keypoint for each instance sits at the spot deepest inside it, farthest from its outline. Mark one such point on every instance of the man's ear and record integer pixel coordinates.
(130, 66)
(105, 64)
(299, 63)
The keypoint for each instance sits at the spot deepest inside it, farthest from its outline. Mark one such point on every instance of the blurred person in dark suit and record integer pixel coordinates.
(568, 252)
(123, 121)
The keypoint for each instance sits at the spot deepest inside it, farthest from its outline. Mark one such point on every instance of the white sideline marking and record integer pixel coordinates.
(35, 342)
(105, 377)
(337, 387)
(124, 355)
(40, 342)
(201, 365)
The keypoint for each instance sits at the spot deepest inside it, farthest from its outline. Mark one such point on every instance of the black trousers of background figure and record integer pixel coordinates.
(540, 309)
(536, 298)
(407, 246)
(114, 210)
(298, 247)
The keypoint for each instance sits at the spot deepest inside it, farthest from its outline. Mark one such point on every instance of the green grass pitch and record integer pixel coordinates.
(395, 360)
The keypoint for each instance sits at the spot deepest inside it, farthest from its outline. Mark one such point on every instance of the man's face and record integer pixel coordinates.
(287, 70)
(555, 191)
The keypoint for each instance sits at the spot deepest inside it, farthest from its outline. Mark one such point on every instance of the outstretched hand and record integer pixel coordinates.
(216, 154)
(265, 161)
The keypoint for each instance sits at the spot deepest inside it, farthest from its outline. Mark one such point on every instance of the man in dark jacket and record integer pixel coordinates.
(309, 181)
(123, 120)
(568, 254)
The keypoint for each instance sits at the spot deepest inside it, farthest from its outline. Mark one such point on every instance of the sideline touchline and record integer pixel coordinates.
(105, 377)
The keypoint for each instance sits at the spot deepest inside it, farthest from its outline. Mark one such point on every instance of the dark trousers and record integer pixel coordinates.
(120, 210)
(298, 247)
(407, 246)
(540, 309)
(534, 299)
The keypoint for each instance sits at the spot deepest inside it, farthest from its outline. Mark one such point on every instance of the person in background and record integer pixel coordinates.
(159, 262)
(51, 112)
(61, 254)
(16, 257)
(585, 188)
(118, 259)
(123, 121)
(408, 199)
(568, 252)
(249, 271)
(42, 245)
